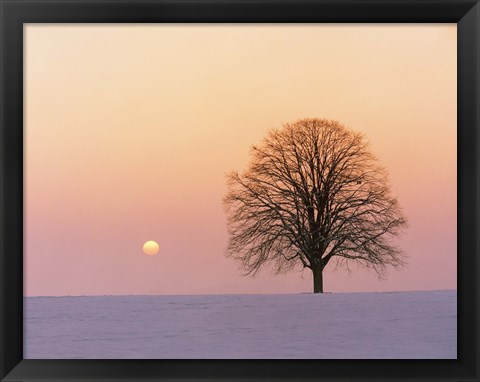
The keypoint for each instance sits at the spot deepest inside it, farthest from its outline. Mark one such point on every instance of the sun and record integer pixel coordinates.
(150, 248)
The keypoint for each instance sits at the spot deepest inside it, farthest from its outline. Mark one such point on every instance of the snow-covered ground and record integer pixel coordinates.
(341, 325)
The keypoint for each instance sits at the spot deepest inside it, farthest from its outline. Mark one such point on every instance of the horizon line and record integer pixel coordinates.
(238, 294)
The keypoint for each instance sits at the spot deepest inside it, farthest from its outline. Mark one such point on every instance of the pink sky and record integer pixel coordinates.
(130, 130)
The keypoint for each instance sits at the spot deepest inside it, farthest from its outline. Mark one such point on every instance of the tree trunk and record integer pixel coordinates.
(317, 279)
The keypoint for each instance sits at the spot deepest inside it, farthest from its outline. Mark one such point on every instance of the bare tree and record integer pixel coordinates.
(312, 192)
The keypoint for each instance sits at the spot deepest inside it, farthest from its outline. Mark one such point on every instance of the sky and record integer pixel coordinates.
(130, 130)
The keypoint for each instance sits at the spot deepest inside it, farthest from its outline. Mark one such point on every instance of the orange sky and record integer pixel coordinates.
(130, 130)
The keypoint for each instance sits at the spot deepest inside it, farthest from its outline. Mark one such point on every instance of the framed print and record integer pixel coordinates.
(239, 190)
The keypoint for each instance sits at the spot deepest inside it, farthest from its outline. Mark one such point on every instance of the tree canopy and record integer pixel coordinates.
(313, 192)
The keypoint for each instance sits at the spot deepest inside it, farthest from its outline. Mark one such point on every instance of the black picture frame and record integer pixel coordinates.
(14, 13)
